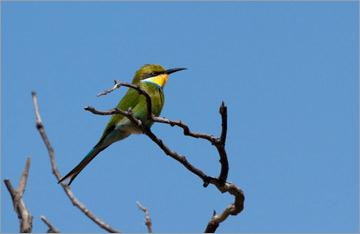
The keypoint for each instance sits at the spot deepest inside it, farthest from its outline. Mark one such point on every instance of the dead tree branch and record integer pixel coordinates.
(219, 142)
(20, 208)
(51, 229)
(148, 222)
(232, 209)
(77, 203)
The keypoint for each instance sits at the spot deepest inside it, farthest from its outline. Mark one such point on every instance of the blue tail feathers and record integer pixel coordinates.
(90, 156)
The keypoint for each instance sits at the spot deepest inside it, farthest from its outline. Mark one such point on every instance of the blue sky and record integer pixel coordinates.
(288, 72)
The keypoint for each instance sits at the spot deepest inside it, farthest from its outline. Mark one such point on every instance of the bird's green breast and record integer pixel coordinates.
(157, 100)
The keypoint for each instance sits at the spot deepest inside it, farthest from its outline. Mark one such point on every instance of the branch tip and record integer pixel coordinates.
(20, 208)
(51, 229)
(148, 222)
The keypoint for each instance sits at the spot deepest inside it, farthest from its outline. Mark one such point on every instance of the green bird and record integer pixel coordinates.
(151, 78)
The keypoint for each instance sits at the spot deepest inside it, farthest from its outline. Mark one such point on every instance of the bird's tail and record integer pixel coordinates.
(90, 156)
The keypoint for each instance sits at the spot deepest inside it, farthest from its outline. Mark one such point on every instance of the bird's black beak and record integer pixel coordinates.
(172, 70)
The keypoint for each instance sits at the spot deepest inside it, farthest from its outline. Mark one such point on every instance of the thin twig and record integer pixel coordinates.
(148, 222)
(116, 86)
(51, 229)
(136, 87)
(186, 129)
(56, 172)
(20, 208)
(41, 129)
(129, 114)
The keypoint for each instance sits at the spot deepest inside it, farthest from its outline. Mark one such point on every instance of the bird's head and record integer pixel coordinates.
(154, 73)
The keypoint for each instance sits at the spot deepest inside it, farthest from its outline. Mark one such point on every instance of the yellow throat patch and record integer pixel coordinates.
(160, 80)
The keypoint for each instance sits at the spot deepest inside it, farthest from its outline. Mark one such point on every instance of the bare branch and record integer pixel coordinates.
(20, 208)
(37, 113)
(223, 113)
(148, 222)
(51, 229)
(23, 178)
(129, 114)
(180, 158)
(186, 129)
(56, 172)
(217, 142)
(232, 209)
(221, 146)
(220, 182)
(41, 129)
(116, 86)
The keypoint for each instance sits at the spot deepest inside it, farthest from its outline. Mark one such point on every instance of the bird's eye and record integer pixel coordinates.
(153, 73)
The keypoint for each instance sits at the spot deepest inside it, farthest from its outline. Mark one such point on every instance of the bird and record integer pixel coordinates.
(151, 78)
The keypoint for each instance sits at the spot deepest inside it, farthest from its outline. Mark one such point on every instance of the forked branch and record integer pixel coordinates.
(219, 142)
(20, 208)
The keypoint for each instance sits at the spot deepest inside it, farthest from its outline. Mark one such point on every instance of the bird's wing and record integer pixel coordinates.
(130, 99)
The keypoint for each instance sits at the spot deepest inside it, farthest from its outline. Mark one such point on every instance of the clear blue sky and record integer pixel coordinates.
(288, 72)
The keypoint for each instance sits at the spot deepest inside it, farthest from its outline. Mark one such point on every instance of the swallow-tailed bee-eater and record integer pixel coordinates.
(151, 78)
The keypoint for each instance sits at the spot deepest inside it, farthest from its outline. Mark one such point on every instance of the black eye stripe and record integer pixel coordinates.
(147, 75)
